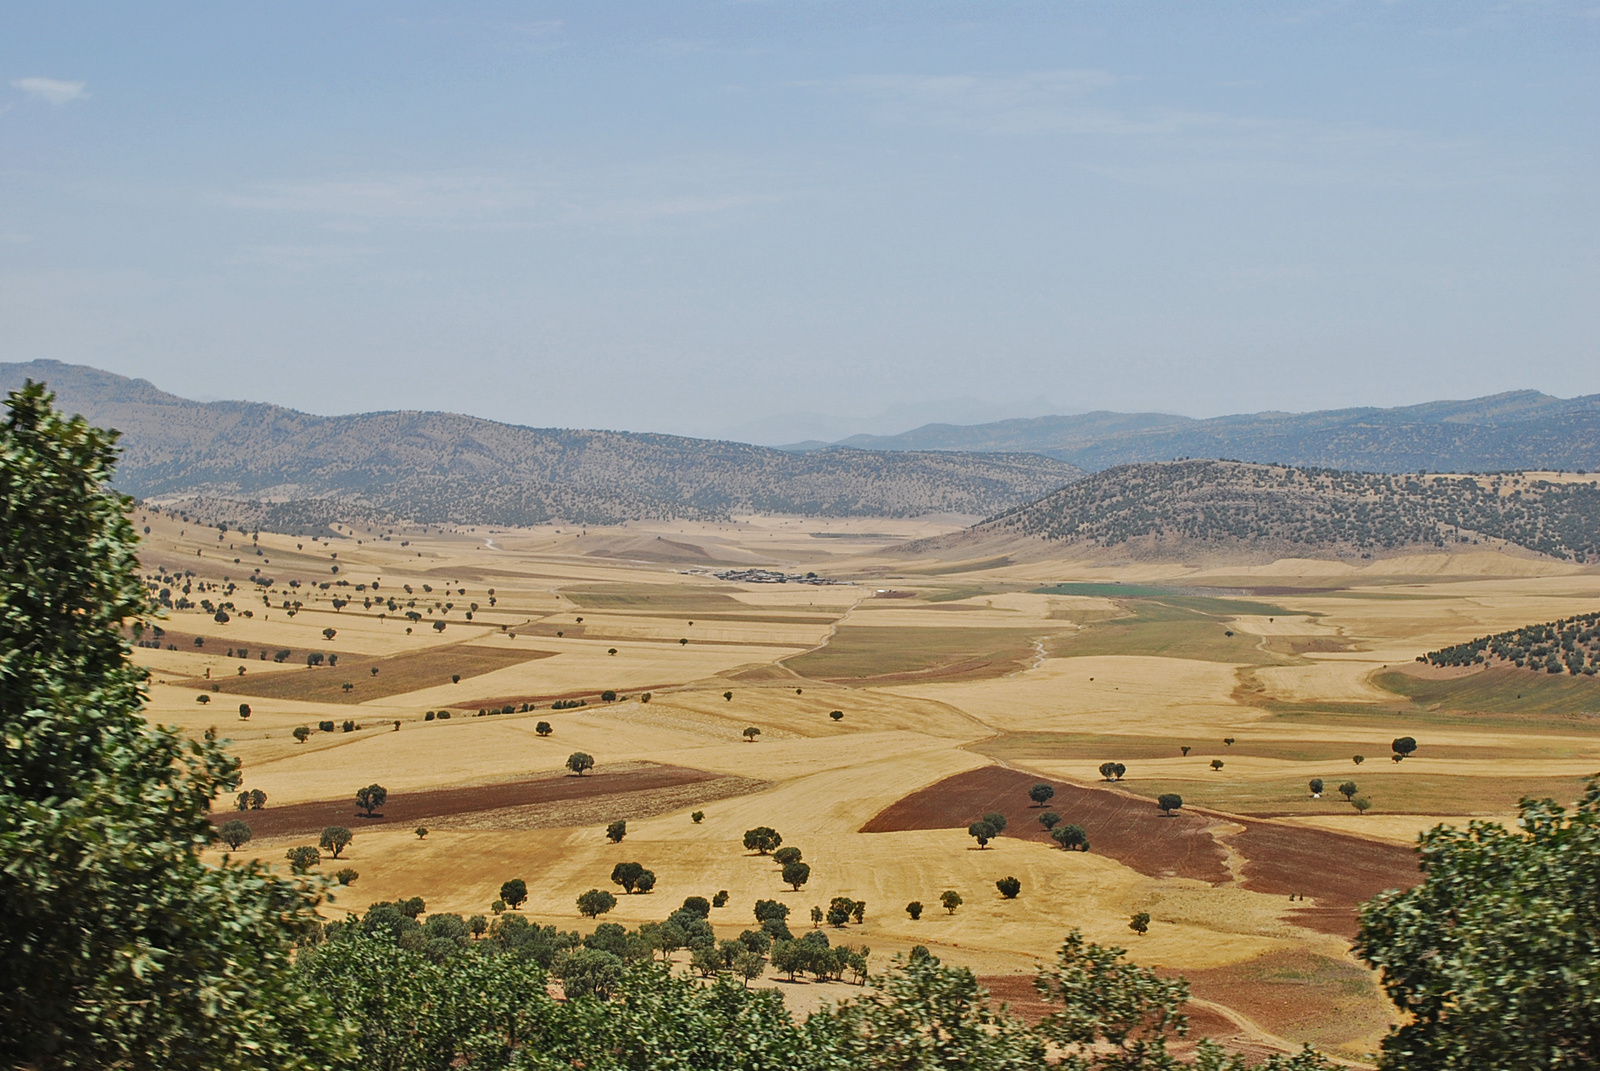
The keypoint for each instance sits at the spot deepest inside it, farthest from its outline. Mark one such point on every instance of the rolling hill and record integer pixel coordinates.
(278, 468)
(1304, 511)
(1515, 431)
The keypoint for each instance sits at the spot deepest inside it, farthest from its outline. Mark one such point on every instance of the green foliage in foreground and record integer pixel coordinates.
(119, 947)
(1496, 955)
(484, 1006)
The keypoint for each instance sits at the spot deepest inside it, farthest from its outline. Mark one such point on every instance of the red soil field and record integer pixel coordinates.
(1335, 870)
(298, 819)
(1338, 871)
(1129, 829)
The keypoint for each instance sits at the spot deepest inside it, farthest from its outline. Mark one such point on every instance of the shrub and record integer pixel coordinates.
(721, 899)
(1140, 923)
(608, 696)
(514, 893)
(235, 833)
(914, 909)
(595, 902)
(697, 817)
(335, 839)
(617, 830)
(950, 900)
(1009, 887)
(422, 832)
(303, 858)
(347, 876)
(762, 839)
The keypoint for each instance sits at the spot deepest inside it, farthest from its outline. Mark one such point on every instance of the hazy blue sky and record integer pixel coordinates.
(700, 217)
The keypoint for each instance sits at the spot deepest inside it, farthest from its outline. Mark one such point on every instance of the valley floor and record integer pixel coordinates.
(959, 685)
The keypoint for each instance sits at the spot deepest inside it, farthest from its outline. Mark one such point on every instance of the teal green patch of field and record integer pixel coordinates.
(867, 653)
(1498, 689)
(1165, 629)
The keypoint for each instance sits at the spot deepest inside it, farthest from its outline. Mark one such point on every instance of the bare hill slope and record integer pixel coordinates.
(276, 467)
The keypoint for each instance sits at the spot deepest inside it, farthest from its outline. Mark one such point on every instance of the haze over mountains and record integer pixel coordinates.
(278, 468)
(1517, 430)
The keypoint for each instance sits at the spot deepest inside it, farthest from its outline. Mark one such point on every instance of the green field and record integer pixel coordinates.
(1175, 628)
(1499, 689)
(663, 598)
(858, 653)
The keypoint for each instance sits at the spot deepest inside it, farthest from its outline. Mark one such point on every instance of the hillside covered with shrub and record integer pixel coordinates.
(1230, 503)
(1569, 644)
(276, 468)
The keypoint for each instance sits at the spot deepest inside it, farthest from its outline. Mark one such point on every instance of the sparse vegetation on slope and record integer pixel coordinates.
(272, 468)
(1570, 645)
(1231, 502)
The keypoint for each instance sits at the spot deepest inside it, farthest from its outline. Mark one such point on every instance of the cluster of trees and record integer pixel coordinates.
(987, 828)
(123, 948)
(1570, 644)
(1232, 501)
(1112, 771)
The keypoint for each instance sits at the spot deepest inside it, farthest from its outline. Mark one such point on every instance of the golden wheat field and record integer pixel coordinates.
(957, 686)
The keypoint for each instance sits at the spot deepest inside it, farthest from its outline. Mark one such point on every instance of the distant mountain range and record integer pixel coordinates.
(280, 469)
(1159, 508)
(1519, 430)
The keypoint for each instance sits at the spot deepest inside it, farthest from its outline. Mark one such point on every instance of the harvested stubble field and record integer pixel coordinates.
(980, 678)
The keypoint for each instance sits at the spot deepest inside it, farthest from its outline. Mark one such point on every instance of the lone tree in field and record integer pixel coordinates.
(750, 734)
(595, 902)
(336, 839)
(235, 833)
(796, 875)
(303, 858)
(763, 840)
(1358, 759)
(1041, 794)
(950, 900)
(543, 728)
(626, 875)
(514, 893)
(914, 909)
(1403, 747)
(1140, 923)
(1071, 837)
(578, 762)
(301, 734)
(1216, 764)
(983, 832)
(1169, 802)
(697, 817)
(728, 696)
(421, 832)
(617, 830)
(836, 715)
(1316, 788)
(371, 798)
(1348, 789)
(1009, 887)
(1049, 819)
(1361, 804)
(244, 710)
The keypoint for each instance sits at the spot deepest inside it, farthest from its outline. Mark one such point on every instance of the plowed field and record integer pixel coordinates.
(1131, 830)
(550, 791)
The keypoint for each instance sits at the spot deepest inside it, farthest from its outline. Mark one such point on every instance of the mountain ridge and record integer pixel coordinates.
(1510, 431)
(295, 468)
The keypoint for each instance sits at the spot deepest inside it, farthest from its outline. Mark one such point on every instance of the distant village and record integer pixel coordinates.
(770, 576)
